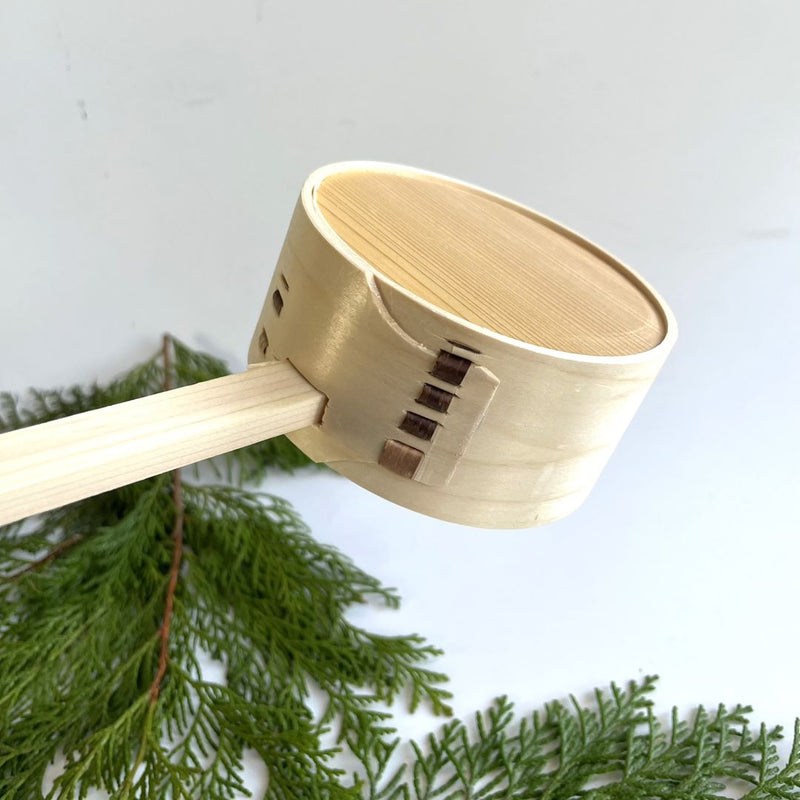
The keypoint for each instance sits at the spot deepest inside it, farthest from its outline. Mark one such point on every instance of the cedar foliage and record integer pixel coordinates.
(105, 605)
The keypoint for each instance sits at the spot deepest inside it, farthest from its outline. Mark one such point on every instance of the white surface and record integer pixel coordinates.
(150, 156)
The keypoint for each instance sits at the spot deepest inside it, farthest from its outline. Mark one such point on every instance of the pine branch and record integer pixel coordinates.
(100, 641)
(108, 603)
(564, 752)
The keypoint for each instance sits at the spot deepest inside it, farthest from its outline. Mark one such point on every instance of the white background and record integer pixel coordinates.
(150, 156)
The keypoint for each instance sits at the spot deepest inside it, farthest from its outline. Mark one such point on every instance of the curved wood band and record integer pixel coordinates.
(430, 410)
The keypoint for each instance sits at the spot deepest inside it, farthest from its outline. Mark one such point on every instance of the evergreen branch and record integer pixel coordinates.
(99, 661)
(563, 752)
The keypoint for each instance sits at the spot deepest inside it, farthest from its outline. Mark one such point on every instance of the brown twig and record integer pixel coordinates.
(45, 559)
(177, 555)
(166, 353)
(177, 551)
(169, 602)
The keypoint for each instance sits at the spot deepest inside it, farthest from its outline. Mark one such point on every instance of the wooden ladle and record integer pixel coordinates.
(440, 345)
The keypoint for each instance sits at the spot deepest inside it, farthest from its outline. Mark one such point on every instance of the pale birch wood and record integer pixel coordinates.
(58, 462)
(365, 298)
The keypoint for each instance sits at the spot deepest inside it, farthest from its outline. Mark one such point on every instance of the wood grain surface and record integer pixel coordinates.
(49, 465)
(490, 264)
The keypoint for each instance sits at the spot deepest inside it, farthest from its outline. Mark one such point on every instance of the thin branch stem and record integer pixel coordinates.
(166, 355)
(177, 556)
(67, 544)
(172, 585)
(177, 549)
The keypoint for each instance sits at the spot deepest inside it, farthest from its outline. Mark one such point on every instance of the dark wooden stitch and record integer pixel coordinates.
(435, 398)
(400, 458)
(450, 368)
(419, 426)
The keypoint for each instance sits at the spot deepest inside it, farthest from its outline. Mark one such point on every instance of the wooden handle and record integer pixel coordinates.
(58, 462)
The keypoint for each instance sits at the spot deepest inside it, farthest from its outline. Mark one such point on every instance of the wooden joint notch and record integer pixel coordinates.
(277, 297)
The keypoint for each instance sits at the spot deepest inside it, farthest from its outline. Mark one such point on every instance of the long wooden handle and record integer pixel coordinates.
(58, 462)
